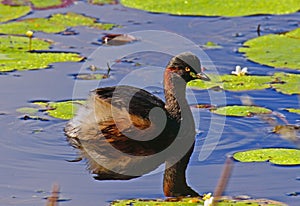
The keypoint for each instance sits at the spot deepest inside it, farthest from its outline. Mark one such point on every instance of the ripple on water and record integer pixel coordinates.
(236, 134)
(32, 142)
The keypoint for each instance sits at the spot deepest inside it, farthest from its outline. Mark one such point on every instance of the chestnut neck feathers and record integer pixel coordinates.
(177, 74)
(174, 89)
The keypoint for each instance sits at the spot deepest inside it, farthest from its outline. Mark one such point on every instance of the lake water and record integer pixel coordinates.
(34, 154)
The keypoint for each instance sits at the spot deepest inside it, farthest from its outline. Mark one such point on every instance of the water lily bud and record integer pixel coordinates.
(29, 34)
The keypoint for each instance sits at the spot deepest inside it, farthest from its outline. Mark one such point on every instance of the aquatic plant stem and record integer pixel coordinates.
(30, 43)
(29, 34)
(222, 183)
(53, 199)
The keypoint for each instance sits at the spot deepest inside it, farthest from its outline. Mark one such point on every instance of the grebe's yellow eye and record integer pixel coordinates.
(187, 69)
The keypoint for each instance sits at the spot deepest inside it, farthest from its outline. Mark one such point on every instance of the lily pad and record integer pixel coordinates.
(293, 110)
(54, 24)
(47, 4)
(196, 202)
(275, 50)
(278, 156)
(38, 4)
(241, 111)
(90, 76)
(233, 82)
(17, 56)
(60, 110)
(12, 12)
(211, 45)
(288, 83)
(28, 110)
(102, 2)
(217, 7)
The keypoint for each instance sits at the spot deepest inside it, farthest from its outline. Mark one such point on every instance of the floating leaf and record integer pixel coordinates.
(216, 7)
(61, 110)
(276, 50)
(90, 76)
(17, 56)
(293, 110)
(102, 2)
(288, 83)
(211, 45)
(240, 111)
(47, 4)
(42, 105)
(195, 202)
(279, 156)
(27, 110)
(233, 82)
(12, 12)
(38, 4)
(54, 24)
(240, 83)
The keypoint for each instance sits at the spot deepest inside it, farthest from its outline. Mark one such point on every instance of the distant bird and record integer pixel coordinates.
(125, 132)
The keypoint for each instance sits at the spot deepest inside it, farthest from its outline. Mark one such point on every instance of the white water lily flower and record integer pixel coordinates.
(239, 71)
(208, 199)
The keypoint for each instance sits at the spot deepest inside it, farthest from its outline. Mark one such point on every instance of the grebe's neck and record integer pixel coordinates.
(174, 89)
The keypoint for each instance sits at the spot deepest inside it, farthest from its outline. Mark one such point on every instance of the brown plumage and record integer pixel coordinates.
(125, 132)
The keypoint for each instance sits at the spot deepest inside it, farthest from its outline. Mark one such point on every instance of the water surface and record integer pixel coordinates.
(34, 154)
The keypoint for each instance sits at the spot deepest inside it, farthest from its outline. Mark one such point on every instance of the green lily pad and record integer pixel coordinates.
(102, 2)
(179, 201)
(233, 82)
(288, 83)
(38, 4)
(17, 56)
(275, 50)
(12, 12)
(241, 111)
(54, 24)
(211, 45)
(28, 110)
(282, 82)
(196, 202)
(61, 110)
(293, 110)
(278, 156)
(217, 7)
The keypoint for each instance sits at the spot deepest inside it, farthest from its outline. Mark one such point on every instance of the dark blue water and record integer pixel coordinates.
(32, 161)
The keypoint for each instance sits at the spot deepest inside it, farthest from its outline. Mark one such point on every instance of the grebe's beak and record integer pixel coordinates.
(202, 76)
